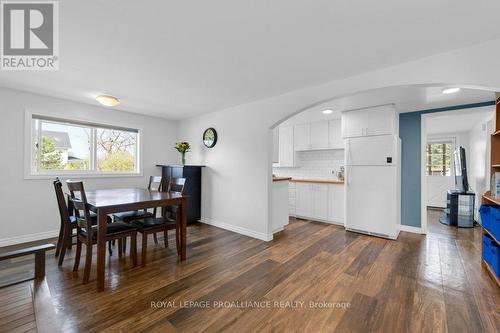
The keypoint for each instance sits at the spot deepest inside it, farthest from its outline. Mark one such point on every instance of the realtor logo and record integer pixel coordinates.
(29, 35)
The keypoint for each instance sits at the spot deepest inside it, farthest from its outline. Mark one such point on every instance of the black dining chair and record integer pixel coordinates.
(164, 223)
(68, 223)
(87, 230)
(155, 184)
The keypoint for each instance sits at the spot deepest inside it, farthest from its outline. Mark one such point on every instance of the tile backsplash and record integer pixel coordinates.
(315, 164)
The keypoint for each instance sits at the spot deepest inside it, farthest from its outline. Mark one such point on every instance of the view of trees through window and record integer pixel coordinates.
(63, 146)
(439, 159)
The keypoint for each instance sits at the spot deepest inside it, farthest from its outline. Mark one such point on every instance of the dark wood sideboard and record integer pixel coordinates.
(192, 188)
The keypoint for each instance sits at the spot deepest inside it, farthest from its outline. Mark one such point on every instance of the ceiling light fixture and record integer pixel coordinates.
(450, 90)
(107, 100)
(327, 111)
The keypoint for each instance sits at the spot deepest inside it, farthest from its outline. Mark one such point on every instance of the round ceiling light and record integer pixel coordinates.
(450, 90)
(107, 100)
(327, 111)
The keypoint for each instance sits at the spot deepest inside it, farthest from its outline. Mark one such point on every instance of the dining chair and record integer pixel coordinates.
(67, 223)
(155, 184)
(87, 231)
(153, 225)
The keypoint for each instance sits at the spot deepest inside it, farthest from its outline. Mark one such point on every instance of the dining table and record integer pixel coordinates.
(109, 201)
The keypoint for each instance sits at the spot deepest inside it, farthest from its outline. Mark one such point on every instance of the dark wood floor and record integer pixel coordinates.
(356, 283)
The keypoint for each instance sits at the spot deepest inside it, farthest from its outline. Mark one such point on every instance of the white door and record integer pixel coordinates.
(335, 140)
(375, 150)
(302, 137)
(286, 151)
(371, 199)
(303, 199)
(336, 203)
(319, 135)
(319, 201)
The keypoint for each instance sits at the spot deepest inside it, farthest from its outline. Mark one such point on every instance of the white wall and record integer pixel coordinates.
(314, 164)
(237, 179)
(29, 206)
(479, 158)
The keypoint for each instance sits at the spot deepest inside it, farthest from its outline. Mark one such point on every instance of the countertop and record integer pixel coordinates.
(281, 179)
(317, 181)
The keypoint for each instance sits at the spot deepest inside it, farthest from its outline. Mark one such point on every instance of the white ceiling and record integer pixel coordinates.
(405, 99)
(181, 58)
(457, 121)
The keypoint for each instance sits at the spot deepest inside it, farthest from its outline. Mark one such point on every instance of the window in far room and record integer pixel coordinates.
(438, 159)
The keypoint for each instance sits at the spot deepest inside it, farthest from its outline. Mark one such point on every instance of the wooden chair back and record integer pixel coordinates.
(155, 183)
(176, 185)
(61, 202)
(79, 201)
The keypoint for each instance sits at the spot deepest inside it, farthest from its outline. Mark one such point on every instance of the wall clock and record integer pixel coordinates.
(210, 137)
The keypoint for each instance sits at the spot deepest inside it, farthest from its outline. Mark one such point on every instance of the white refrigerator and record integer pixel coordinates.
(372, 185)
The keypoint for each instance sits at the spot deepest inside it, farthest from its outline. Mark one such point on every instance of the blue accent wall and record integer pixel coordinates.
(410, 133)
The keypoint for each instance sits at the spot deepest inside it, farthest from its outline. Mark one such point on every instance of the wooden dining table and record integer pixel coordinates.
(109, 201)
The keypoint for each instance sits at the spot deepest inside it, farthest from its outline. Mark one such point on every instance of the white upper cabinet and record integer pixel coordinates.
(302, 137)
(335, 140)
(379, 120)
(286, 150)
(311, 136)
(318, 135)
(276, 142)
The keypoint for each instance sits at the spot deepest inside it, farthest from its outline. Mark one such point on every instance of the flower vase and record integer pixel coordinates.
(183, 158)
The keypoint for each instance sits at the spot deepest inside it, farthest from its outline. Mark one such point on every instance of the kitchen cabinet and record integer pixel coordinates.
(336, 203)
(335, 140)
(301, 137)
(303, 200)
(318, 135)
(286, 143)
(276, 143)
(379, 120)
(321, 202)
(311, 136)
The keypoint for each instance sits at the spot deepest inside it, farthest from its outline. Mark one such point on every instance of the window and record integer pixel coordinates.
(69, 147)
(439, 159)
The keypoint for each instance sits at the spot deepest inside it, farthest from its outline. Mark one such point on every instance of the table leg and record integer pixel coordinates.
(101, 248)
(183, 209)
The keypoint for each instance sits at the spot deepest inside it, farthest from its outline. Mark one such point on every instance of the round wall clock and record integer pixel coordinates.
(210, 137)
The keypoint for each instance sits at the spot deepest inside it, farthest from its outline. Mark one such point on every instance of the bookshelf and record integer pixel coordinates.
(487, 197)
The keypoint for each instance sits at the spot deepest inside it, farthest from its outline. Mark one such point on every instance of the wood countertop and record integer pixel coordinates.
(281, 179)
(317, 181)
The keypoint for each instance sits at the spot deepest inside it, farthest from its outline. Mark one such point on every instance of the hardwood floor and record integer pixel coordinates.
(312, 278)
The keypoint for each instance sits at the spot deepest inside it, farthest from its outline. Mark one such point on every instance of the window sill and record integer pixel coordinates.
(82, 175)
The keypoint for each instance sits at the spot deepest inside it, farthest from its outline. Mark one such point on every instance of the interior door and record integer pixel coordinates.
(371, 199)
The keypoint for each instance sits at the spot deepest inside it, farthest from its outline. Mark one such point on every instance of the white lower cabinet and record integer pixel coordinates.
(336, 203)
(322, 202)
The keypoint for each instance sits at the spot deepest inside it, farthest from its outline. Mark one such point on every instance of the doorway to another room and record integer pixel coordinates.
(455, 147)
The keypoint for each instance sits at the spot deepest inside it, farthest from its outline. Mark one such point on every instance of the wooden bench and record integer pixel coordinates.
(38, 251)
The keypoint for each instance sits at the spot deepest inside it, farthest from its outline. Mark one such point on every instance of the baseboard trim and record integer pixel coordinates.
(238, 230)
(28, 238)
(415, 230)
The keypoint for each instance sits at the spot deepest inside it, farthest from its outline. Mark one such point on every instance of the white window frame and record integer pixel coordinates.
(31, 173)
(443, 139)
